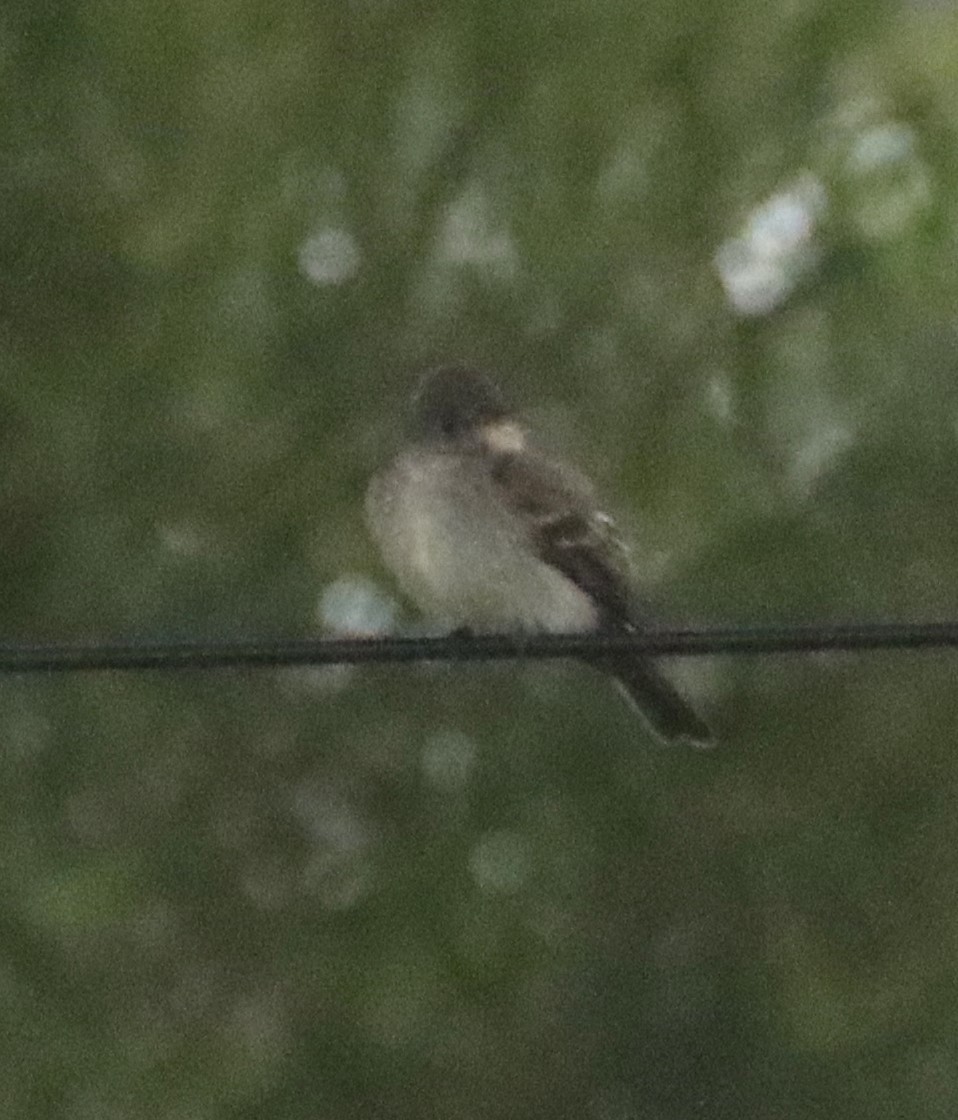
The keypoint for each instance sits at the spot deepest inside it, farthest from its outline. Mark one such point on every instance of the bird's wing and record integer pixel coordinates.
(568, 530)
(558, 511)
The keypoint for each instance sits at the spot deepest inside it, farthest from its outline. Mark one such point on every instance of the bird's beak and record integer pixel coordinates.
(503, 437)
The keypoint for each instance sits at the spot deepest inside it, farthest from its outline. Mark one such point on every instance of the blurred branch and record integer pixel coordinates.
(826, 638)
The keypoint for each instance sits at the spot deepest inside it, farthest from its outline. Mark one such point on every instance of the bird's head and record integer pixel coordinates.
(459, 406)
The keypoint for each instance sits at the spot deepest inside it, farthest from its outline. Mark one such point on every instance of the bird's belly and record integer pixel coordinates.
(484, 583)
(466, 563)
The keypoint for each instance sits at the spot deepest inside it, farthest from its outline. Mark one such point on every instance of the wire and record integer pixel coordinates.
(827, 638)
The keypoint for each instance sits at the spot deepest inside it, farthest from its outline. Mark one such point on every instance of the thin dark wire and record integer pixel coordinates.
(829, 638)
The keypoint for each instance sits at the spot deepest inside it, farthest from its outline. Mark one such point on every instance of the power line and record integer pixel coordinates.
(276, 652)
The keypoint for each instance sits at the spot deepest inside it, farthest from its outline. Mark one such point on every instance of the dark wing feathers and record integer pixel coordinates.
(569, 533)
(567, 530)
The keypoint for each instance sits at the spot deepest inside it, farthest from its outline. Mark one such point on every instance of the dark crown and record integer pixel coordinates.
(455, 400)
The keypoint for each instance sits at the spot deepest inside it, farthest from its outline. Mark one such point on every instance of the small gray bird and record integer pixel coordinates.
(486, 533)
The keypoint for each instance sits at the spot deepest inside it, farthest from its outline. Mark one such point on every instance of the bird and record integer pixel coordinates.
(486, 533)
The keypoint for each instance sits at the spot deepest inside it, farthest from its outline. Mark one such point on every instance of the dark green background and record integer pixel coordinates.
(474, 892)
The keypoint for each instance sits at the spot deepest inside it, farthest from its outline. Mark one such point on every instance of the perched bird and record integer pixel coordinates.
(486, 533)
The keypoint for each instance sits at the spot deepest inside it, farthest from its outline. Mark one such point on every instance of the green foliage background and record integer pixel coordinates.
(232, 233)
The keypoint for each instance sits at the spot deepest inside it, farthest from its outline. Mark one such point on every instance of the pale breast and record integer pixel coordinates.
(461, 555)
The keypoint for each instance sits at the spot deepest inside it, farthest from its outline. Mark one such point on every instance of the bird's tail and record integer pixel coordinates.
(658, 700)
